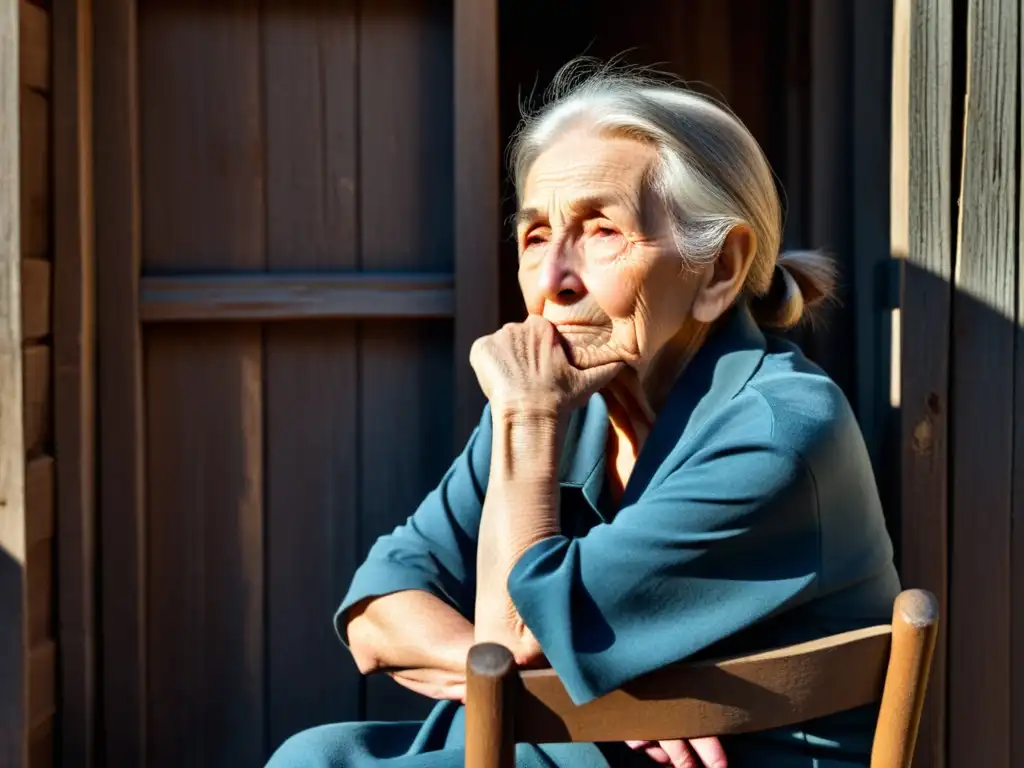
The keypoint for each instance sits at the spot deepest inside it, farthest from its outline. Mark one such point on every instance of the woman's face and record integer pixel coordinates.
(596, 254)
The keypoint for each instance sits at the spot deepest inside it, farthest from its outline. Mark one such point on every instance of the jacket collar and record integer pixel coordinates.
(719, 370)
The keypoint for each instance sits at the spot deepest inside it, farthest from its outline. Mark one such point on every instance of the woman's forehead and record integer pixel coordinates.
(586, 172)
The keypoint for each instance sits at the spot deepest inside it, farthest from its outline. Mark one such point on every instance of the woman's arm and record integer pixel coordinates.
(521, 508)
(415, 636)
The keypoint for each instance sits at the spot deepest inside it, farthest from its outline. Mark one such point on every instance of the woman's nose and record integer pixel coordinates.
(560, 280)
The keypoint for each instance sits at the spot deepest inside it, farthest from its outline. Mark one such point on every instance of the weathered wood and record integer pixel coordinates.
(38, 399)
(41, 744)
(35, 174)
(477, 195)
(42, 689)
(984, 307)
(39, 498)
(405, 413)
(121, 452)
(39, 576)
(13, 598)
(1017, 521)
(34, 24)
(921, 235)
(312, 370)
(36, 293)
(310, 296)
(203, 203)
(75, 378)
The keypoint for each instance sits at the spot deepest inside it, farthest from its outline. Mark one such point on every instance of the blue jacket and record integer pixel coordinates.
(751, 519)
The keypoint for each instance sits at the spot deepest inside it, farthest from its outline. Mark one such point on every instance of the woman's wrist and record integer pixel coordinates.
(525, 444)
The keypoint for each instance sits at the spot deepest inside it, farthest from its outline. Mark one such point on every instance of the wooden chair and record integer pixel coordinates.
(756, 692)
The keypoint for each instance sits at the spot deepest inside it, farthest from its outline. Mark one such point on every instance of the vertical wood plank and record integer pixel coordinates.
(871, 183)
(921, 235)
(982, 419)
(405, 176)
(312, 374)
(34, 58)
(35, 174)
(119, 382)
(831, 169)
(202, 146)
(13, 623)
(75, 378)
(477, 190)
(1017, 521)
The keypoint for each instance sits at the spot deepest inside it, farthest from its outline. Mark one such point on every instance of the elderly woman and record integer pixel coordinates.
(653, 476)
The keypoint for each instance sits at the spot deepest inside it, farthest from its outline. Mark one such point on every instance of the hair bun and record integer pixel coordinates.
(801, 281)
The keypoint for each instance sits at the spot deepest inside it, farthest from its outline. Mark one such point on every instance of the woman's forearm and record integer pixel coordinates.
(408, 630)
(520, 509)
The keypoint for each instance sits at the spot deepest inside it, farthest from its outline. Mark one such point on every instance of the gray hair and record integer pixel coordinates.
(711, 175)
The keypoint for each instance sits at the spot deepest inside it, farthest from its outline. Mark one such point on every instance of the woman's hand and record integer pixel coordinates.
(524, 366)
(439, 684)
(684, 753)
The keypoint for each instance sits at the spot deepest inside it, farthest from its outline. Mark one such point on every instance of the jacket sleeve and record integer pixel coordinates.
(727, 539)
(435, 549)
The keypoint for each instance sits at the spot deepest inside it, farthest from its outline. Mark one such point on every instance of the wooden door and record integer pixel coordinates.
(286, 297)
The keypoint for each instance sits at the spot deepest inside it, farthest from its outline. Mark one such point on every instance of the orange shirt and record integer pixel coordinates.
(628, 428)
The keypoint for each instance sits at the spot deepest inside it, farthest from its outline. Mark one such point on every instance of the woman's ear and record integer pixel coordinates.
(722, 281)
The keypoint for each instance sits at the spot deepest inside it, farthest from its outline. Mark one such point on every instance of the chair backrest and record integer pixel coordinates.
(741, 694)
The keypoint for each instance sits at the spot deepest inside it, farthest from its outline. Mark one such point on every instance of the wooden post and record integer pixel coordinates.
(921, 237)
(981, 416)
(121, 455)
(13, 598)
(915, 623)
(74, 384)
(490, 692)
(477, 197)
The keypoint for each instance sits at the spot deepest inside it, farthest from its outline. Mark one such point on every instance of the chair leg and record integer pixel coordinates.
(915, 624)
(491, 679)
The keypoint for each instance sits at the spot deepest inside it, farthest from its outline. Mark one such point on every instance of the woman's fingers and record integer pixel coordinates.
(432, 683)
(710, 752)
(679, 754)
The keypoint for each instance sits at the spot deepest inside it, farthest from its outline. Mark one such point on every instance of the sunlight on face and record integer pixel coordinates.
(596, 255)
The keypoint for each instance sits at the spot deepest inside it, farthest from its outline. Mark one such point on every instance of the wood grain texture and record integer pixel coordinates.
(38, 394)
(405, 413)
(740, 695)
(1017, 521)
(74, 354)
(311, 369)
(202, 147)
(75, 379)
(119, 420)
(35, 175)
(36, 298)
(13, 619)
(34, 58)
(39, 498)
(308, 296)
(984, 306)
(477, 196)
(921, 234)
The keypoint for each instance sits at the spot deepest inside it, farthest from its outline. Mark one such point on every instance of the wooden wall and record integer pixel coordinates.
(37, 360)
